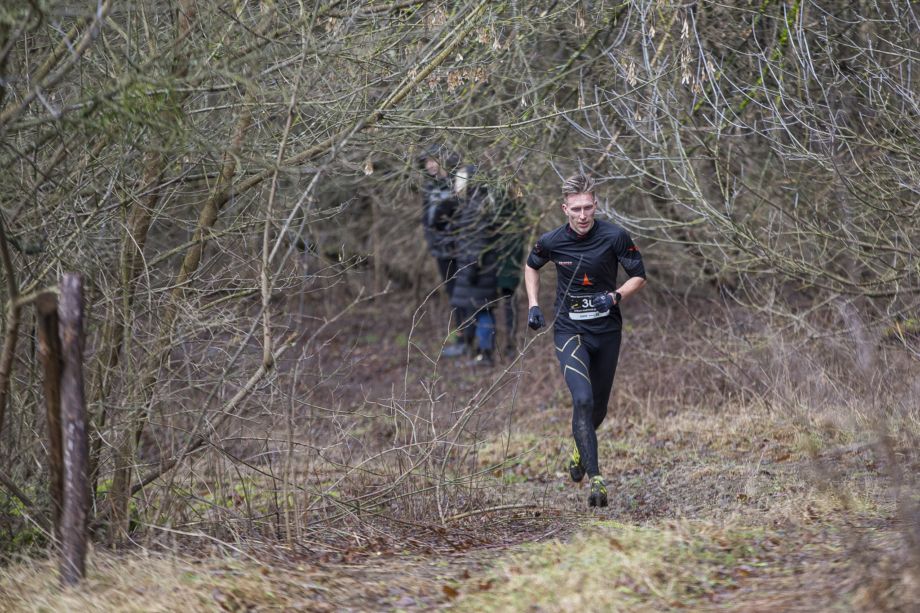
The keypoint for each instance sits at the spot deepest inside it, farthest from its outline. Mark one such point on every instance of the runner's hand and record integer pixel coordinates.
(603, 302)
(535, 318)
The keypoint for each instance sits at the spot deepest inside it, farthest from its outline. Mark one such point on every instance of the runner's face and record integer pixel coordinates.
(580, 208)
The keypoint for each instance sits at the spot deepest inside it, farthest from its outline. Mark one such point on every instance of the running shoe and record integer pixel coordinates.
(483, 358)
(576, 468)
(598, 495)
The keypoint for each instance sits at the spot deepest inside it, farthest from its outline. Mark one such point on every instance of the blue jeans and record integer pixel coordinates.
(485, 330)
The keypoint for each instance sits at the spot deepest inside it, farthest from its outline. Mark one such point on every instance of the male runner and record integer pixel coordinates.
(587, 325)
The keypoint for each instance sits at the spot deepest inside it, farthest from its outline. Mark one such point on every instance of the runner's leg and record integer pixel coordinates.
(575, 364)
(605, 353)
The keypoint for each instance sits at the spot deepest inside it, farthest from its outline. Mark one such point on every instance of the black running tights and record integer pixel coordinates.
(588, 364)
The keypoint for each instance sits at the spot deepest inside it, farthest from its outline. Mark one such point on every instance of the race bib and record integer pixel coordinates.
(580, 308)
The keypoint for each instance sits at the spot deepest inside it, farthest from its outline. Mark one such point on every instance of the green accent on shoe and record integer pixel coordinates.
(576, 468)
(598, 495)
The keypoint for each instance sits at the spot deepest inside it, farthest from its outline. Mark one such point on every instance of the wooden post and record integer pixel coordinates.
(76, 446)
(49, 348)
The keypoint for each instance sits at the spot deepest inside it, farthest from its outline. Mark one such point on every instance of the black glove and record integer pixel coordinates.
(535, 318)
(603, 302)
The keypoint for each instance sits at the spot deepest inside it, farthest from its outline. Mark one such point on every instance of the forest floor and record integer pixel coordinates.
(739, 508)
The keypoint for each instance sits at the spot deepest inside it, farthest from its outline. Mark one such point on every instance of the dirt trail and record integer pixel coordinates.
(729, 508)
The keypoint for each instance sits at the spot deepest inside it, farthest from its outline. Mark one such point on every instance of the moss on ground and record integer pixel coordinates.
(614, 566)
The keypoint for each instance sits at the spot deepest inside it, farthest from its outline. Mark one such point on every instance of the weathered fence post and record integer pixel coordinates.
(76, 447)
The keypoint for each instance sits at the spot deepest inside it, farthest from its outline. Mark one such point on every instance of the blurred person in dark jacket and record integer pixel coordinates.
(439, 205)
(474, 227)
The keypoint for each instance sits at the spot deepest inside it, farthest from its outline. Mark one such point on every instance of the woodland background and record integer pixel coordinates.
(236, 183)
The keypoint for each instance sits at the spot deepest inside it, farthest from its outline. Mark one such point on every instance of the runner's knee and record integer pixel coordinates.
(583, 404)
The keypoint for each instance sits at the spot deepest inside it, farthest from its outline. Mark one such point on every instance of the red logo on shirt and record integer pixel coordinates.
(586, 280)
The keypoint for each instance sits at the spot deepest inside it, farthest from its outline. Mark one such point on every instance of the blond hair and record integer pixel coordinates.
(578, 184)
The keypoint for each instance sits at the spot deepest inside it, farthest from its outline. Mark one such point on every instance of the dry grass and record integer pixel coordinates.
(142, 582)
(695, 565)
(615, 567)
(170, 582)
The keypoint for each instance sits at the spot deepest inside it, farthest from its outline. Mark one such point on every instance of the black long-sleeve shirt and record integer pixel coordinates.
(586, 265)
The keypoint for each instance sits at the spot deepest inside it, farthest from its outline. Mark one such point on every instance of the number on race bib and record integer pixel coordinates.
(581, 307)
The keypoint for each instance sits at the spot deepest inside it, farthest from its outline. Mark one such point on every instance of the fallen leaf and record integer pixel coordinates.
(744, 571)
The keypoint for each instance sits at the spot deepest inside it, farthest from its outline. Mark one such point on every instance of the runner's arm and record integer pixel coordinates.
(632, 285)
(538, 257)
(532, 283)
(631, 260)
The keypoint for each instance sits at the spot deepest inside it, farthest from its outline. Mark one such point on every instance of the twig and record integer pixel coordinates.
(504, 507)
(15, 491)
(205, 536)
